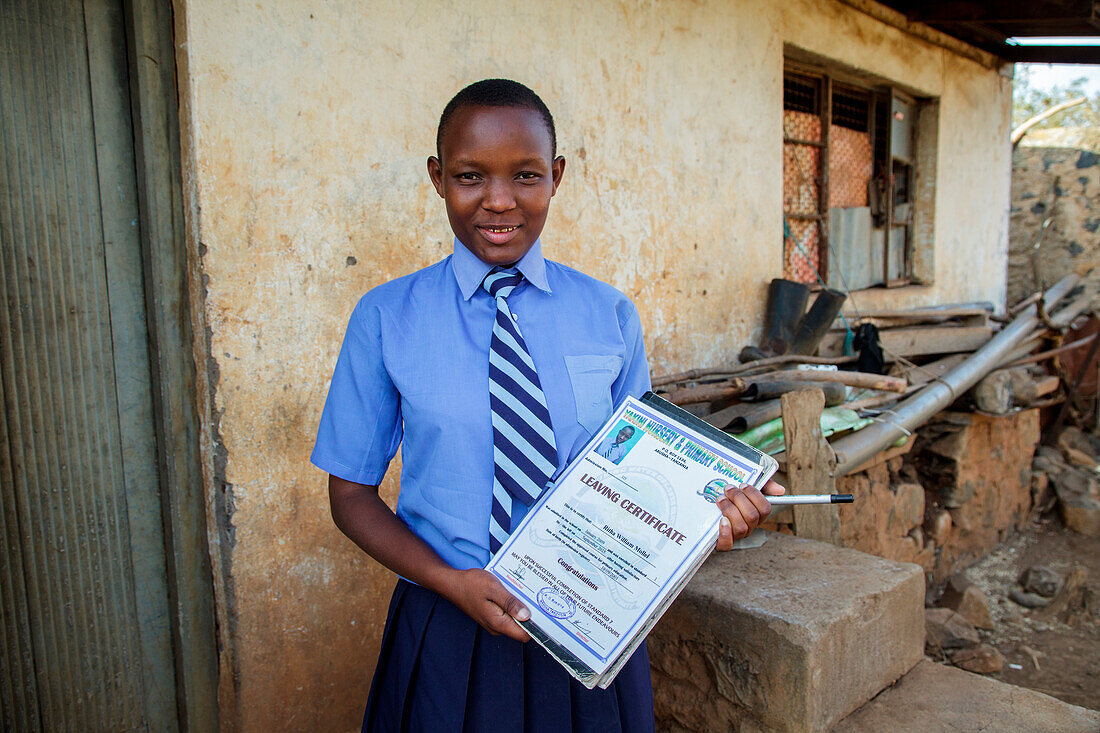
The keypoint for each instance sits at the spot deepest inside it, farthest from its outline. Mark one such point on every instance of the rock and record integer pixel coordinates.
(1028, 600)
(1075, 602)
(939, 526)
(1050, 456)
(968, 600)
(963, 520)
(973, 605)
(955, 586)
(1041, 580)
(1043, 497)
(1078, 492)
(1081, 514)
(981, 659)
(1049, 461)
(945, 629)
(1079, 448)
(908, 511)
(934, 697)
(1073, 482)
(755, 636)
(1000, 390)
(994, 394)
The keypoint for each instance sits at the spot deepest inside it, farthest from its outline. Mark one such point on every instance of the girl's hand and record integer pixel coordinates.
(483, 598)
(743, 509)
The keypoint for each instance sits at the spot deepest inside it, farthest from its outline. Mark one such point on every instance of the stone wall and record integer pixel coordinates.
(964, 485)
(1055, 176)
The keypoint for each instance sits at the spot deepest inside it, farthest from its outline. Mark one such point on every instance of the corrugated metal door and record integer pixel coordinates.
(84, 609)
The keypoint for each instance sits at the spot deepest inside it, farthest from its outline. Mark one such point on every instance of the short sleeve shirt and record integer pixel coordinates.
(413, 371)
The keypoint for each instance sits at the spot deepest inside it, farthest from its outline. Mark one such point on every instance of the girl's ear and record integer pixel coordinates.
(557, 168)
(435, 172)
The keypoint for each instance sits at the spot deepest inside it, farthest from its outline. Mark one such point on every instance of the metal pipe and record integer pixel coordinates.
(854, 449)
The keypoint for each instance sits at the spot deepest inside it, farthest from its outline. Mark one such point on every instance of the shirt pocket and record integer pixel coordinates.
(591, 376)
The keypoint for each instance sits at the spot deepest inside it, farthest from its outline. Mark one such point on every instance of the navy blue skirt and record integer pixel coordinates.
(440, 671)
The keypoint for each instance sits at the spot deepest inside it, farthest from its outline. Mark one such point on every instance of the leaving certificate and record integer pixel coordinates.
(608, 547)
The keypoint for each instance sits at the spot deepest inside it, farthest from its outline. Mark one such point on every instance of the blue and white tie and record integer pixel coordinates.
(524, 456)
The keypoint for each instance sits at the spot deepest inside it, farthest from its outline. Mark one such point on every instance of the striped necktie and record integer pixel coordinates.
(524, 456)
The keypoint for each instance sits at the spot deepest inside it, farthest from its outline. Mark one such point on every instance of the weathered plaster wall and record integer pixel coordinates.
(306, 126)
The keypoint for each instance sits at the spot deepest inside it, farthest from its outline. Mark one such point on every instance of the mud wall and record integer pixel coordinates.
(305, 131)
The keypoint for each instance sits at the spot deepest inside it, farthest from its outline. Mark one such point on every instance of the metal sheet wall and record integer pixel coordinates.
(85, 623)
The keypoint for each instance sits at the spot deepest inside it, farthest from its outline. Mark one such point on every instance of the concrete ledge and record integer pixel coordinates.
(936, 697)
(791, 636)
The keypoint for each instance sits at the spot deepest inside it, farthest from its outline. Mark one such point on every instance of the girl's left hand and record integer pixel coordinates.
(743, 509)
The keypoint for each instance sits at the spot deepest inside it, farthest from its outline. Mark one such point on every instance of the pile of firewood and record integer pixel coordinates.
(1051, 364)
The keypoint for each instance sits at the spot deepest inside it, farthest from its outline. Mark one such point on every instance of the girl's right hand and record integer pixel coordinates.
(482, 597)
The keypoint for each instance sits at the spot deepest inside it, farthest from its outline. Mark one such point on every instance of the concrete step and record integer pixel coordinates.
(791, 636)
(934, 697)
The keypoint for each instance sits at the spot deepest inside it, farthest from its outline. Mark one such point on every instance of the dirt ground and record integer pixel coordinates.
(1052, 656)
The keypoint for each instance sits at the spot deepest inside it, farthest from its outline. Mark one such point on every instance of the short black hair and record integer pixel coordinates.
(496, 93)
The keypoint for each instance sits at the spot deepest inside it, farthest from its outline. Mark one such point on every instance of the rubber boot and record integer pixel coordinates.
(815, 324)
(786, 303)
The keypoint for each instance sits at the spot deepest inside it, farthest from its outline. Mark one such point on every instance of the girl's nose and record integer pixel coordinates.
(499, 197)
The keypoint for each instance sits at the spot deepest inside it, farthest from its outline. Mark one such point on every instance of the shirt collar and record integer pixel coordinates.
(470, 270)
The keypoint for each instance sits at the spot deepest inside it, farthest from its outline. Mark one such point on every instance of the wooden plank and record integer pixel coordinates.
(202, 647)
(903, 321)
(823, 191)
(924, 312)
(910, 342)
(860, 380)
(811, 465)
(1046, 385)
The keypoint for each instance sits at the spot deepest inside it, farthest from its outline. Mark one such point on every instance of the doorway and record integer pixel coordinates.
(94, 615)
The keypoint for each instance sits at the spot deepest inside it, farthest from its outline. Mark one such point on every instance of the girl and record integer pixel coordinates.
(419, 360)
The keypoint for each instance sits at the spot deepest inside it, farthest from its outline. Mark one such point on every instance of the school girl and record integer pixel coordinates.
(490, 369)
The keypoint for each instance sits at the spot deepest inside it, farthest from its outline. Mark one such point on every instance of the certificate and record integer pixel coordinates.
(620, 531)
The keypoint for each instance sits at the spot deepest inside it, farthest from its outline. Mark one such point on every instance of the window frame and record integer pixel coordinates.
(879, 95)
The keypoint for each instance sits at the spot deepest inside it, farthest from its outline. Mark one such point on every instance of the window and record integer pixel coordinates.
(850, 205)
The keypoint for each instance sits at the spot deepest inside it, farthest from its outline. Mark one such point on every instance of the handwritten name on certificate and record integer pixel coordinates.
(596, 556)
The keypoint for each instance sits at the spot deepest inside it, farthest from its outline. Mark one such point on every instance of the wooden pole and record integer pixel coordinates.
(862, 380)
(706, 393)
(1020, 131)
(811, 465)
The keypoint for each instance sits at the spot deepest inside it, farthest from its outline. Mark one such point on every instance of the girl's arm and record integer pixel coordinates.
(361, 514)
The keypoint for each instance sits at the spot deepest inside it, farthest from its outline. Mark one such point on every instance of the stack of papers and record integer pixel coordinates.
(621, 531)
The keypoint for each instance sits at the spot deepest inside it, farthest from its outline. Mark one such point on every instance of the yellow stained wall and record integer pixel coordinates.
(305, 130)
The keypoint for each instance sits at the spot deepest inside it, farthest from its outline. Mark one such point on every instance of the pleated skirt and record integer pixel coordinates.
(440, 671)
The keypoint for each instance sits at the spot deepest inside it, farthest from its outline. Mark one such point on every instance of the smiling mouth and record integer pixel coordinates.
(498, 234)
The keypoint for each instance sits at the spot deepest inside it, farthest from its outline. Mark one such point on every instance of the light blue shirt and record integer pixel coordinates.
(414, 371)
(613, 451)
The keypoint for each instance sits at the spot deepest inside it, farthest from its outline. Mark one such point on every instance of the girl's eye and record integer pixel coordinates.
(467, 177)
(528, 176)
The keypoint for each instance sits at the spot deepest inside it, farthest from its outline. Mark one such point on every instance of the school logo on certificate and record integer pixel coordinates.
(713, 491)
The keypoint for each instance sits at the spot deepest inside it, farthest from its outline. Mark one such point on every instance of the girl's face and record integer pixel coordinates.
(497, 176)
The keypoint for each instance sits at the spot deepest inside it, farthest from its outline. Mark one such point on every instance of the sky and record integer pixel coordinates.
(1045, 76)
